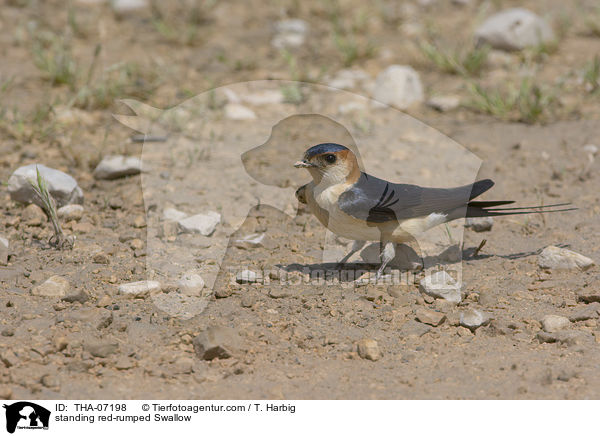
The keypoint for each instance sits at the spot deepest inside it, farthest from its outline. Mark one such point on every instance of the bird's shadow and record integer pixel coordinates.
(472, 254)
(347, 272)
(351, 271)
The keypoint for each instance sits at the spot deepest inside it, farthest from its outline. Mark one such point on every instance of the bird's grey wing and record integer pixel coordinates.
(376, 200)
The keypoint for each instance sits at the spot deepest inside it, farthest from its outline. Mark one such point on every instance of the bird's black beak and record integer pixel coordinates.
(304, 164)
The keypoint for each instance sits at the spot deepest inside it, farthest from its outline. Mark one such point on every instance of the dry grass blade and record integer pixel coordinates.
(591, 75)
(478, 249)
(527, 102)
(469, 62)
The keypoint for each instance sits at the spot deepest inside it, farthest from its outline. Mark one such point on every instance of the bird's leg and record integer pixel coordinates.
(421, 264)
(388, 252)
(416, 266)
(410, 265)
(356, 246)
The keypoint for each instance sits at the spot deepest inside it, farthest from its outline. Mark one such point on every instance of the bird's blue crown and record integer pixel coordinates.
(328, 147)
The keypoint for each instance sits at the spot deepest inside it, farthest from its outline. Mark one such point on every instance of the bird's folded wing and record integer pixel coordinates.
(377, 201)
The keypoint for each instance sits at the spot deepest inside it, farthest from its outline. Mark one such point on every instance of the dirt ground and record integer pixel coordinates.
(65, 68)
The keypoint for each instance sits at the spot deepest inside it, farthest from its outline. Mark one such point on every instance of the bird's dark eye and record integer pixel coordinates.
(330, 158)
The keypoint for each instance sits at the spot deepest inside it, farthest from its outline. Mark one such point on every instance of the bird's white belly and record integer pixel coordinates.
(336, 220)
(348, 227)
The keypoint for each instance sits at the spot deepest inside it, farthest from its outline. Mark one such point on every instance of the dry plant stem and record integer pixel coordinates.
(40, 187)
(478, 249)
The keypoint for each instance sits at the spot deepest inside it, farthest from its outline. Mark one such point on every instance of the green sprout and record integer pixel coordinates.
(58, 240)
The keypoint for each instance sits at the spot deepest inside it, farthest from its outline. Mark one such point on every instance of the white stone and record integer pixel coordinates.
(70, 212)
(74, 116)
(288, 40)
(4, 247)
(63, 188)
(444, 103)
(268, 96)
(514, 29)
(412, 29)
(172, 214)
(238, 112)
(231, 95)
(555, 323)
(117, 166)
(204, 223)
(483, 224)
(140, 289)
(290, 33)
(560, 258)
(293, 25)
(126, 6)
(398, 86)
(55, 286)
(254, 240)
(342, 83)
(473, 318)
(500, 59)
(441, 285)
(246, 276)
(191, 283)
(368, 349)
(352, 106)
(348, 78)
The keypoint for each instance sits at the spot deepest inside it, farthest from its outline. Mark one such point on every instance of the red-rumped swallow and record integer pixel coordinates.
(360, 207)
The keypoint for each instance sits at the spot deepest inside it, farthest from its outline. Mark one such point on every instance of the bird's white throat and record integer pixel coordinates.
(334, 175)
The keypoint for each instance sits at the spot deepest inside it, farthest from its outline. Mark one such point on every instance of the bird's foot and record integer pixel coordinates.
(340, 265)
(417, 266)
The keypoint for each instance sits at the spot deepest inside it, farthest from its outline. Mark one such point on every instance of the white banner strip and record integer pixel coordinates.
(262, 417)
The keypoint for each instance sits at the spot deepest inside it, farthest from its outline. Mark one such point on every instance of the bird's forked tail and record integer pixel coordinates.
(490, 208)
